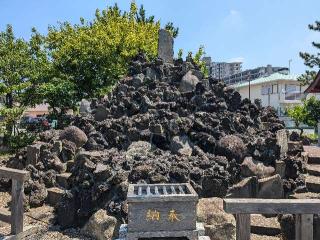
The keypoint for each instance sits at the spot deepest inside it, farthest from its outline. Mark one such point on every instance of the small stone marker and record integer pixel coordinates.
(33, 154)
(85, 107)
(282, 141)
(165, 46)
(281, 168)
(162, 210)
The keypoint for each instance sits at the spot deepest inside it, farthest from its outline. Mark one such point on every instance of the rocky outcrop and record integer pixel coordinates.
(250, 168)
(247, 188)
(181, 145)
(218, 224)
(188, 82)
(147, 130)
(101, 226)
(271, 187)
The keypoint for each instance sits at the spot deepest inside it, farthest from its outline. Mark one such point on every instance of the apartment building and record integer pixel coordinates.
(251, 74)
(221, 70)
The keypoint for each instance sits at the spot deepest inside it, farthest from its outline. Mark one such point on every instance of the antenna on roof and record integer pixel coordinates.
(290, 60)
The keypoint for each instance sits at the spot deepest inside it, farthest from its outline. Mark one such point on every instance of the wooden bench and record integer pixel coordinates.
(304, 209)
(17, 193)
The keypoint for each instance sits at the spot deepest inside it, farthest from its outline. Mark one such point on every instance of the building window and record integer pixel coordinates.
(291, 88)
(275, 88)
(293, 92)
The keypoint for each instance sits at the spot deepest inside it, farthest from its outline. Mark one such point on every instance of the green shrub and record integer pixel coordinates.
(21, 140)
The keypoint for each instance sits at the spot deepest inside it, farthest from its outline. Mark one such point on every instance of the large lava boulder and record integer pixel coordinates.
(188, 82)
(75, 135)
(232, 147)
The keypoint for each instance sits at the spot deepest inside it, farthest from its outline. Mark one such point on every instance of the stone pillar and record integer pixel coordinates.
(282, 141)
(165, 46)
(33, 154)
(280, 168)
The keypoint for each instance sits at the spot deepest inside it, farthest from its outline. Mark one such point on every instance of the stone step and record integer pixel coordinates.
(313, 183)
(5, 215)
(313, 169)
(313, 153)
(307, 195)
(262, 225)
(314, 159)
(63, 180)
(54, 195)
(264, 237)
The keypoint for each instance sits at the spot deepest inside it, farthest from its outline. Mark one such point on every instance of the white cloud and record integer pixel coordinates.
(233, 21)
(233, 12)
(237, 59)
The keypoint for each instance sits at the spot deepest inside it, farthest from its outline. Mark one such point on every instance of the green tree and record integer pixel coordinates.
(59, 94)
(78, 61)
(15, 78)
(197, 60)
(311, 60)
(14, 66)
(312, 109)
(298, 115)
(94, 55)
(23, 64)
(173, 30)
(180, 53)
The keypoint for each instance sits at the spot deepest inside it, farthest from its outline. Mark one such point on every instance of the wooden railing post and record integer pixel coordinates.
(304, 227)
(304, 209)
(17, 206)
(243, 226)
(17, 193)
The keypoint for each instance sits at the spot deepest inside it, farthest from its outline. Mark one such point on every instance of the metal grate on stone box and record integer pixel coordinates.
(167, 190)
(162, 210)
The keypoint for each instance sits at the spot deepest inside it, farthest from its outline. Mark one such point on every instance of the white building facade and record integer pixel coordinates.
(279, 91)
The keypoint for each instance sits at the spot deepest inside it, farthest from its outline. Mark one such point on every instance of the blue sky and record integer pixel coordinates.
(258, 32)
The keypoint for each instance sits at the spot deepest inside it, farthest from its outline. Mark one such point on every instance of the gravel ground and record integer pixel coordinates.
(43, 219)
(55, 233)
(4, 157)
(259, 237)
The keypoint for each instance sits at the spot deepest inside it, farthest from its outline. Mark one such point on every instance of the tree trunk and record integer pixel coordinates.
(301, 132)
(9, 100)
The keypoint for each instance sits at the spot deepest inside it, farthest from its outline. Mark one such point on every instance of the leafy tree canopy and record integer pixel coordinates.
(312, 109)
(94, 55)
(299, 115)
(23, 64)
(307, 113)
(77, 61)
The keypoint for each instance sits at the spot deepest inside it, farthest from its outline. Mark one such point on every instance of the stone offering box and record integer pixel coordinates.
(162, 210)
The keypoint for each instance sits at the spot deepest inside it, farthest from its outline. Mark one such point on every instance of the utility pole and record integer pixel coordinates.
(290, 60)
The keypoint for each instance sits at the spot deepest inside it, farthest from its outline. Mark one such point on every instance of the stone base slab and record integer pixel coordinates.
(197, 234)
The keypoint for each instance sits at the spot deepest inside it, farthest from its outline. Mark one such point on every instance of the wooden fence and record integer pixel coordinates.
(15, 217)
(304, 209)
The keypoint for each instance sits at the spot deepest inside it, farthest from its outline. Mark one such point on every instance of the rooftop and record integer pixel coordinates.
(272, 78)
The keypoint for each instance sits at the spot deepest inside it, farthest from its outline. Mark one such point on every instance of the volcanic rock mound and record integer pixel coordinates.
(163, 123)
